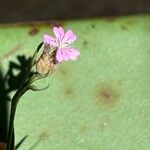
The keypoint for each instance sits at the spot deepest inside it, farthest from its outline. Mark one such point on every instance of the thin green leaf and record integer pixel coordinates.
(20, 142)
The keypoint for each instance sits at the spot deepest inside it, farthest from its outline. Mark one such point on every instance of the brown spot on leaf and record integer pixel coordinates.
(107, 94)
(44, 135)
(69, 91)
(34, 31)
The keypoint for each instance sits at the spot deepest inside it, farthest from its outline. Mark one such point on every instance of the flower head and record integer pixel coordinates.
(62, 42)
(46, 64)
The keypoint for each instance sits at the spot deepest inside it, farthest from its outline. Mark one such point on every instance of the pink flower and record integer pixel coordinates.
(62, 42)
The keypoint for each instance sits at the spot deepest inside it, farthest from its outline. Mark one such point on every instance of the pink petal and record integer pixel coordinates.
(62, 54)
(59, 55)
(67, 54)
(73, 53)
(49, 40)
(69, 37)
(59, 32)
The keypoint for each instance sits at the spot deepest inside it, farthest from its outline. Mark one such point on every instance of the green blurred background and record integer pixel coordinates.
(99, 102)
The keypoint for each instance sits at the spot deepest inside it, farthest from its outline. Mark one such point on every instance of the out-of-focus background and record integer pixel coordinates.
(35, 10)
(100, 101)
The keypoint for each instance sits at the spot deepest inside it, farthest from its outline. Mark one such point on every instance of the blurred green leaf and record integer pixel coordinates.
(99, 102)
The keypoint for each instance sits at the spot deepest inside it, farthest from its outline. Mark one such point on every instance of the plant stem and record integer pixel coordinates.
(14, 103)
(24, 86)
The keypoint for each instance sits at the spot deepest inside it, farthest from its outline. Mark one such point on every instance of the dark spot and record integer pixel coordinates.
(93, 26)
(63, 71)
(34, 31)
(85, 43)
(111, 18)
(123, 27)
(44, 135)
(12, 51)
(69, 91)
(106, 94)
(57, 24)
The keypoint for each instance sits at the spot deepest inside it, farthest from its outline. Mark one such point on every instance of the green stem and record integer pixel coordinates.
(14, 103)
(23, 88)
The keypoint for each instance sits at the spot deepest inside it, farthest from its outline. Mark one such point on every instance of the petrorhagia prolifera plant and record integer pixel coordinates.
(55, 50)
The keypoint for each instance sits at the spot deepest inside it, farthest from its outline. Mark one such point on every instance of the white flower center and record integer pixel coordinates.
(61, 44)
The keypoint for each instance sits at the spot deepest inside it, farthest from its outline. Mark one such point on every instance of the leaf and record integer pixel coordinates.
(99, 102)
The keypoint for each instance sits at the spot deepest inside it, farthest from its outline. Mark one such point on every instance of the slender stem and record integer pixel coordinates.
(23, 88)
(13, 140)
(14, 103)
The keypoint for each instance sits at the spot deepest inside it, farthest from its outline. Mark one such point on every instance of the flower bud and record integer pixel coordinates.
(46, 63)
(43, 64)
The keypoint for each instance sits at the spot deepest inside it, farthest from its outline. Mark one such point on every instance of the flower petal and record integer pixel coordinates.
(59, 55)
(62, 54)
(67, 54)
(49, 40)
(69, 37)
(73, 53)
(59, 32)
